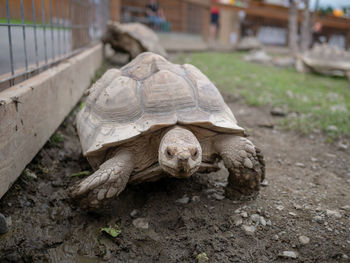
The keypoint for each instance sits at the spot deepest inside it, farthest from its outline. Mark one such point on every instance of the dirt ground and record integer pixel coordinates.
(306, 194)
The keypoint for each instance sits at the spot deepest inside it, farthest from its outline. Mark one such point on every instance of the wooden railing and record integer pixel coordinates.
(258, 11)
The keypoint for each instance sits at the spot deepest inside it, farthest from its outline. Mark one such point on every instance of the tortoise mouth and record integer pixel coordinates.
(181, 172)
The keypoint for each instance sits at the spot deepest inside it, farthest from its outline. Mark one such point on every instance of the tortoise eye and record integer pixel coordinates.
(195, 153)
(169, 153)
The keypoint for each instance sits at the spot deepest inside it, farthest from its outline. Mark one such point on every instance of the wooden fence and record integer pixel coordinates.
(188, 16)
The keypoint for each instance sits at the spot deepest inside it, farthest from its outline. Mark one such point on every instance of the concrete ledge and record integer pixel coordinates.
(31, 111)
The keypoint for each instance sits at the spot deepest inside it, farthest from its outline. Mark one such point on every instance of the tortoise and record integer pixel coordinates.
(249, 43)
(132, 38)
(325, 59)
(153, 119)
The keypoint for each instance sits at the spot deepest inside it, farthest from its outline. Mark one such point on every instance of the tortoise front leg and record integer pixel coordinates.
(245, 164)
(108, 181)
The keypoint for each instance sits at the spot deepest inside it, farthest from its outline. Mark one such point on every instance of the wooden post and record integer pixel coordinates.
(229, 25)
(205, 22)
(347, 39)
(114, 10)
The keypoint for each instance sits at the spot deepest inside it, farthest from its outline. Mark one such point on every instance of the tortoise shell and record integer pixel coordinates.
(326, 57)
(145, 95)
(140, 33)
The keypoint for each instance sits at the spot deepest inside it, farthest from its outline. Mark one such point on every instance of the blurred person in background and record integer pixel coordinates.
(214, 22)
(155, 14)
(316, 32)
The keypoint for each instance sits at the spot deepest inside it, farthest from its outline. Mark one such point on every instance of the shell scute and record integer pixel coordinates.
(166, 92)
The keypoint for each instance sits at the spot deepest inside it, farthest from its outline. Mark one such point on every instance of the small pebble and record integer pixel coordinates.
(279, 207)
(332, 128)
(268, 223)
(317, 219)
(244, 214)
(332, 213)
(318, 209)
(3, 224)
(218, 197)
(346, 208)
(264, 183)
(263, 221)
(255, 218)
(300, 165)
(237, 211)
(277, 112)
(342, 146)
(298, 207)
(292, 214)
(195, 198)
(304, 240)
(134, 213)
(238, 221)
(249, 230)
(184, 200)
(141, 223)
(275, 237)
(289, 254)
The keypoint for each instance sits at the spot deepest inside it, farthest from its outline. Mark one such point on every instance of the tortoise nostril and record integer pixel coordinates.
(183, 158)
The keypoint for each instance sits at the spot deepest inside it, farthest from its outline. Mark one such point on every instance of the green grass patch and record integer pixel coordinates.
(15, 21)
(318, 101)
(82, 173)
(39, 24)
(56, 139)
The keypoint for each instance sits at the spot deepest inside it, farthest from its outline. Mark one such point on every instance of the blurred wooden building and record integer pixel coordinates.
(186, 16)
(269, 22)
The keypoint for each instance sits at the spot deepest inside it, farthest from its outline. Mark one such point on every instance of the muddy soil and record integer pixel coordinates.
(306, 194)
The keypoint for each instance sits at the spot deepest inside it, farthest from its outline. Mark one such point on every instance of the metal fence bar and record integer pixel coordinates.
(73, 25)
(65, 9)
(10, 37)
(52, 38)
(58, 26)
(24, 37)
(35, 36)
(93, 19)
(44, 28)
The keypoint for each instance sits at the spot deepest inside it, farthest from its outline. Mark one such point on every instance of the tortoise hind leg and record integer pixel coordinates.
(108, 181)
(245, 164)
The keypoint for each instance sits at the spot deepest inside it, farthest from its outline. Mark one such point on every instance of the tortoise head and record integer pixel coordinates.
(180, 153)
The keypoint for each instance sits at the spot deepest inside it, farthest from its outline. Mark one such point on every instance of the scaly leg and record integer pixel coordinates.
(108, 181)
(245, 164)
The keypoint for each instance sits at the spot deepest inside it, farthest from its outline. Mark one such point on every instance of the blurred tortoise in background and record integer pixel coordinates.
(249, 43)
(325, 59)
(132, 38)
(152, 119)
